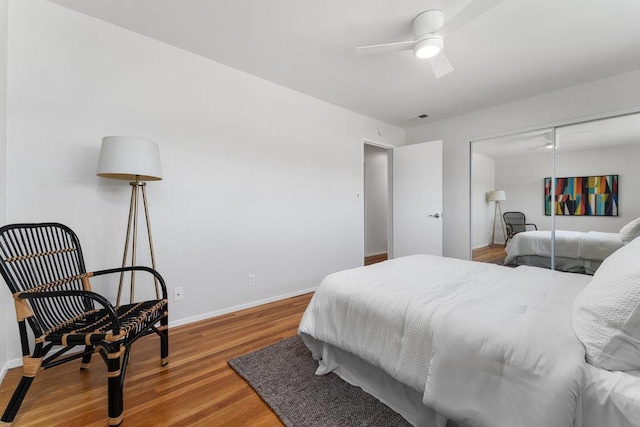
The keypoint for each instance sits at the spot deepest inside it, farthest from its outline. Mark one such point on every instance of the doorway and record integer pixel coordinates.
(402, 200)
(376, 203)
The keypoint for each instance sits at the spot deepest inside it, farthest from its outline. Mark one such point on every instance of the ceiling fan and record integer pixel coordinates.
(429, 32)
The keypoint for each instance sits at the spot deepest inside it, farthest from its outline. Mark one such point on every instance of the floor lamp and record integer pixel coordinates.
(497, 196)
(136, 160)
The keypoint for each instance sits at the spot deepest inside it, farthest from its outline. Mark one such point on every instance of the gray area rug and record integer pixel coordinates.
(283, 374)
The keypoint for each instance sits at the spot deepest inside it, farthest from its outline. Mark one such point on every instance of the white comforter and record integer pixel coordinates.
(592, 245)
(485, 344)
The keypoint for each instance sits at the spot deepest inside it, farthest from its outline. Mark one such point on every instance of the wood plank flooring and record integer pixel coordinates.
(491, 254)
(372, 259)
(197, 388)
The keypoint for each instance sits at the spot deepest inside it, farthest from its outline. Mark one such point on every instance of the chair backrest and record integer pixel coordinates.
(515, 222)
(44, 257)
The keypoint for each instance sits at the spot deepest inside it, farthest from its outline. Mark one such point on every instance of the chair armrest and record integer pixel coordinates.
(533, 225)
(135, 268)
(77, 293)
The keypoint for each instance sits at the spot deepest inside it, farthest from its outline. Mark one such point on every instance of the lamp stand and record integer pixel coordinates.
(137, 187)
(493, 231)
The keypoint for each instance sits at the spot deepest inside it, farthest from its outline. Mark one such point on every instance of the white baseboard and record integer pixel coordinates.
(14, 363)
(217, 313)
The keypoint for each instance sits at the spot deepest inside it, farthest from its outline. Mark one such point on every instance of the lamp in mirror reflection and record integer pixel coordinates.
(497, 196)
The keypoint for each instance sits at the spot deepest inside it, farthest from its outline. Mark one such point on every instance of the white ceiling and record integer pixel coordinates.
(518, 49)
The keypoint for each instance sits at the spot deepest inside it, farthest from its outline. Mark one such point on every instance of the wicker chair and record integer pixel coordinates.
(43, 266)
(516, 223)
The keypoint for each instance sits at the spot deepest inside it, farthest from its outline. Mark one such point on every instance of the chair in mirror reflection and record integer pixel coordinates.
(516, 222)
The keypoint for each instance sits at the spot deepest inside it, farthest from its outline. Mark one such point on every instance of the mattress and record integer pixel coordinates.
(464, 341)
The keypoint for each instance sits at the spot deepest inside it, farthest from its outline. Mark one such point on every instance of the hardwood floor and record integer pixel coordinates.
(491, 254)
(372, 259)
(197, 388)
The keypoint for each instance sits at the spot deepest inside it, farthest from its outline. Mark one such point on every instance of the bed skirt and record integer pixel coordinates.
(401, 398)
(569, 265)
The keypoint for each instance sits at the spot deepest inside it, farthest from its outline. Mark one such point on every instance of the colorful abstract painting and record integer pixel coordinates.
(583, 196)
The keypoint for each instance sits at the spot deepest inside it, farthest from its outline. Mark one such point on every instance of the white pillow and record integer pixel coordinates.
(630, 231)
(606, 314)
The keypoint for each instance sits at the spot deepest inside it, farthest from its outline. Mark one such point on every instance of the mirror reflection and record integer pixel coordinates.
(556, 198)
(512, 166)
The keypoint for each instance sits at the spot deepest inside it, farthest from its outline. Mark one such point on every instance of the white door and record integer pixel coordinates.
(417, 199)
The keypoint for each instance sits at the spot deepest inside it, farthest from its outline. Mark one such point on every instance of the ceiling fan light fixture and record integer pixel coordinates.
(428, 47)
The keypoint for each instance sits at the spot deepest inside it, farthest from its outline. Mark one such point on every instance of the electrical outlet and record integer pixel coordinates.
(178, 294)
(251, 280)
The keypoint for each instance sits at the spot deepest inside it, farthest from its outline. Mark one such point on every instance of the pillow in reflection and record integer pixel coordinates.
(630, 231)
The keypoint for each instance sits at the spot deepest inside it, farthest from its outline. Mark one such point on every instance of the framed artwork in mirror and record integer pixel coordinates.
(582, 196)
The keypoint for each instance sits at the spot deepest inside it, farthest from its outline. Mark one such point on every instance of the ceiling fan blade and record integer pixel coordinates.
(384, 48)
(473, 10)
(440, 65)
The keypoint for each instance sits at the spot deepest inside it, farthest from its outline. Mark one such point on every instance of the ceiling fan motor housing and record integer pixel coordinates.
(427, 23)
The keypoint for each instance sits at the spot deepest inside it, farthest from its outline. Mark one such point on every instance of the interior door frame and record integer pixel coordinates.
(389, 148)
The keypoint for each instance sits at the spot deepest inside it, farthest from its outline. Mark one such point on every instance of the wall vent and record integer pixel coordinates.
(418, 117)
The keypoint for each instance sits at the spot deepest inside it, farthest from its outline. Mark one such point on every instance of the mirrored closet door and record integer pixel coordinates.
(558, 197)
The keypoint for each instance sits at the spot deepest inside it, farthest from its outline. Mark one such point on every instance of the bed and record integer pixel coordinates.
(575, 251)
(451, 342)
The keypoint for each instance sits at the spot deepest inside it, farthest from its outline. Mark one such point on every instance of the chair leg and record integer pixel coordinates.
(164, 340)
(86, 359)
(16, 400)
(115, 388)
(30, 365)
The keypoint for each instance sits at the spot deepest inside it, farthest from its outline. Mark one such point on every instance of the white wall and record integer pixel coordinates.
(617, 93)
(523, 180)
(5, 300)
(484, 180)
(258, 179)
(376, 191)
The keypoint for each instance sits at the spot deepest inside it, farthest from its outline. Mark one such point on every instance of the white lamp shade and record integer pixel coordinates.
(496, 196)
(128, 157)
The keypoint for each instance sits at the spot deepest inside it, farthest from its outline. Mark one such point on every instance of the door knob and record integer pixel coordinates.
(435, 215)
